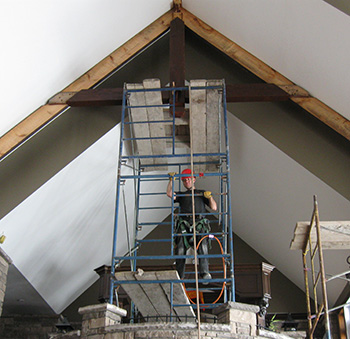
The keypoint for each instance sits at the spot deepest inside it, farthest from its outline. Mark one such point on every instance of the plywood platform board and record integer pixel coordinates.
(205, 108)
(153, 299)
(335, 235)
(148, 112)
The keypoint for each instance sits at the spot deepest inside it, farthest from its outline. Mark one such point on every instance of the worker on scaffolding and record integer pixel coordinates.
(184, 223)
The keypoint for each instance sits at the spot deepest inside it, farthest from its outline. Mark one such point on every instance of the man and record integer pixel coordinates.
(185, 221)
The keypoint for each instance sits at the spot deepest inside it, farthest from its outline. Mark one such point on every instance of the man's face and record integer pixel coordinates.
(188, 182)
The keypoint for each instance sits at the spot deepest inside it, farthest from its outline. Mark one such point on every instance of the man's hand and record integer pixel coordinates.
(169, 190)
(207, 194)
(171, 175)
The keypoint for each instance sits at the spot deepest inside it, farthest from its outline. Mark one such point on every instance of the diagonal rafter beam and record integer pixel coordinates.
(312, 105)
(44, 114)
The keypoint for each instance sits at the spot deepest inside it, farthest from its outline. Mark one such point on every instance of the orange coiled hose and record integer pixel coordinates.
(224, 267)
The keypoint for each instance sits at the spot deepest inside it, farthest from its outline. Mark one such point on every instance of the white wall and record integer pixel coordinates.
(306, 41)
(46, 45)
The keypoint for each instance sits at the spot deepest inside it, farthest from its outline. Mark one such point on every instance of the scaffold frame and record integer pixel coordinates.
(150, 168)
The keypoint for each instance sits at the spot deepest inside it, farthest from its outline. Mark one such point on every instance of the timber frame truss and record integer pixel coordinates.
(82, 93)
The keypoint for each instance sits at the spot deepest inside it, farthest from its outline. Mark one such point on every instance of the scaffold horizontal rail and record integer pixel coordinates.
(174, 281)
(166, 176)
(181, 155)
(162, 257)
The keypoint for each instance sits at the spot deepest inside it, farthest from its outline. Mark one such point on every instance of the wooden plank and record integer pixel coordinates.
(214, 108)
(312, 105)
(198, 122)
(143, 147)
(62, 98)
(179, 295)
(136, 294)
(154, 114)
(153, 299)
(182, 133)
(46, 113)
(334, 235)
(154, 292)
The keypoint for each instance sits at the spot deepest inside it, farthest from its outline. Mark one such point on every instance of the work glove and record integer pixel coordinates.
(207, 194)
(171, 175)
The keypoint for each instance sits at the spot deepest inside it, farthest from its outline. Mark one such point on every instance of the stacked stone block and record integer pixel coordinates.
(97, 317)
(103, 321)
(241, 317)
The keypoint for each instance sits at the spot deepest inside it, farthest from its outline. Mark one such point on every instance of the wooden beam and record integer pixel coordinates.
(234, 93)
(46, 113)
(177, 62)
(97, 97)
(334, 235)
(255, 93)
(312, 105)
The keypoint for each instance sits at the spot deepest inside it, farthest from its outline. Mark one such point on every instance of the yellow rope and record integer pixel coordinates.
(194, 226)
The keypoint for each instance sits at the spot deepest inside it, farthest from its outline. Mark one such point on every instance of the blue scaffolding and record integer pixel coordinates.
(145, 159)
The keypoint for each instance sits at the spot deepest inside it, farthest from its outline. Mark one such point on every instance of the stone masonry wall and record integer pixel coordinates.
(5, 262)
(103, 321)
(27, 326)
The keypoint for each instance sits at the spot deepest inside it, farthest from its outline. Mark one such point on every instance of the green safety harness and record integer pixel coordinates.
(183, 226)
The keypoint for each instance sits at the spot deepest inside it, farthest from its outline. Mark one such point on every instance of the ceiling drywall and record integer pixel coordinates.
(303, 40)
(64, 230)
(342, 5)
(49, 44)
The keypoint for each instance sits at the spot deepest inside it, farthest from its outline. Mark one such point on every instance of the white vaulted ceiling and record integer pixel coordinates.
(63, 229)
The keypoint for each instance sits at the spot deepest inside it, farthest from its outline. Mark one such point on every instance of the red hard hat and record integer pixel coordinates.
(186, 171)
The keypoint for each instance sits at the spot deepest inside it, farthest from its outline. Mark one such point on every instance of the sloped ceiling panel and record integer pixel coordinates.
(50, 44)
(64, 230)
(270, 193)
(306, 41)
(60, 233)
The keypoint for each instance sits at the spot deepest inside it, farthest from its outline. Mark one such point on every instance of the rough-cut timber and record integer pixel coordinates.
(177, 62)
(153, 299)
(139, 113)
(334, 235)
(205, 107)
(234, 93)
